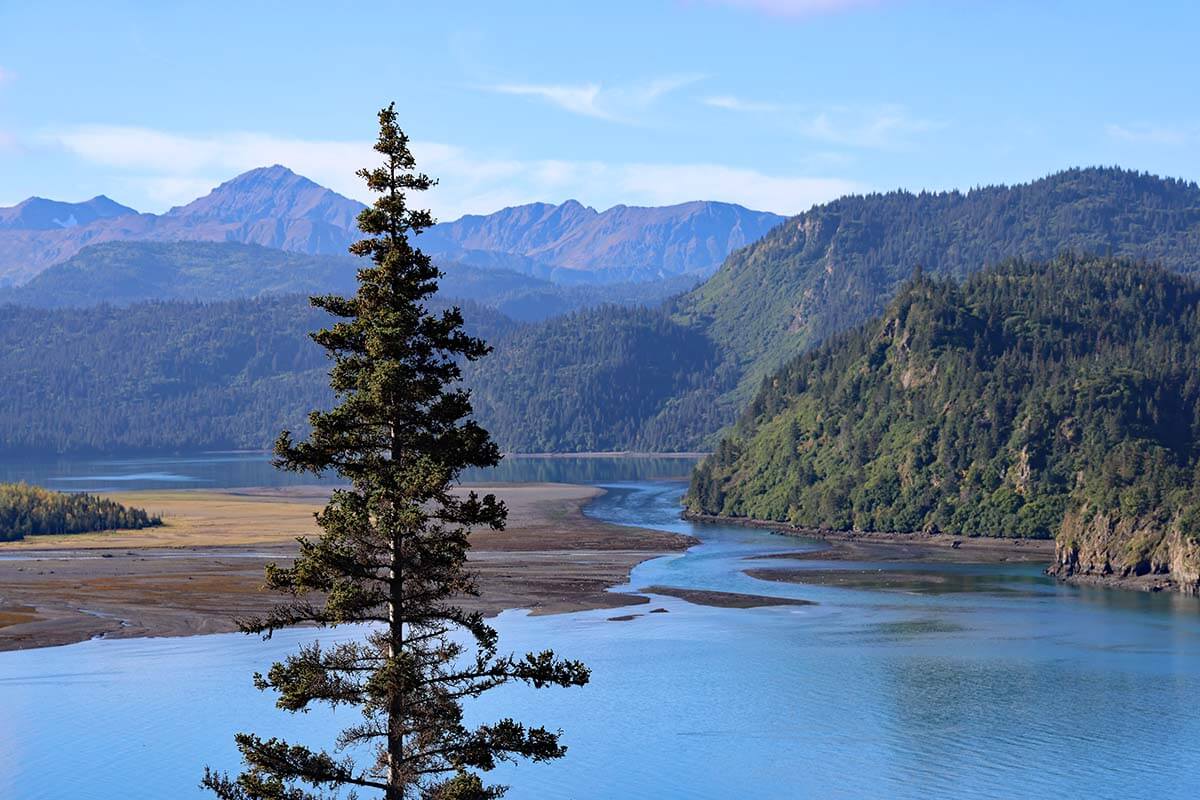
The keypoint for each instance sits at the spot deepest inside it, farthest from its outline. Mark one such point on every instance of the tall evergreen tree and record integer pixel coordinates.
(393, 546)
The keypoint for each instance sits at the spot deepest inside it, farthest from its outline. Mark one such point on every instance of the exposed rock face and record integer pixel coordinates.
(1132, 552)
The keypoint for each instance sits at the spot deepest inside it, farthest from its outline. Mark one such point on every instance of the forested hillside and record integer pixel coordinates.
(1032, 400)
(166, 376)
(598, 380)
(837, 265)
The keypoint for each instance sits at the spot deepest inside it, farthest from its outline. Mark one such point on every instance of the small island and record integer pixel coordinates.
(33, 511)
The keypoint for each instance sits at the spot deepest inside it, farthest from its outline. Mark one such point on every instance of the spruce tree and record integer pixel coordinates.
(393, 547)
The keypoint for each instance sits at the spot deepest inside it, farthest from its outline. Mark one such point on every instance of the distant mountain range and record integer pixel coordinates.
(124, 273)
(571, 242)
(40, 214)
(276, 208)
(272, 207)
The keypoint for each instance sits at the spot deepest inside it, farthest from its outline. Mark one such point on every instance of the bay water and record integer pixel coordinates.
(998, 684)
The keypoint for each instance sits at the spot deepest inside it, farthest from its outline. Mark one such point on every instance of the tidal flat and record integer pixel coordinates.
(204, 568)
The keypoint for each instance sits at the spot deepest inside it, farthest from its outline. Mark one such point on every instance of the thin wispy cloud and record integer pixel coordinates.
(886, 128)
(799, 8)
(169, 169)
(731, 103)
(614, 104)
(664, 184)
(881, 128)
(173, 165)
(1153, 134)
(576, 99)
(6, 76)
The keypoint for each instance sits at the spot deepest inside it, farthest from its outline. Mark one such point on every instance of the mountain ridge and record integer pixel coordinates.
(275, 207)
(627, 242)
(40, 213)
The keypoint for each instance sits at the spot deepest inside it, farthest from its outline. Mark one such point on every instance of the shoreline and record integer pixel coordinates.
(986, 548)
(873, 545)
(609, 454)
(204, 568)
(1150, 583)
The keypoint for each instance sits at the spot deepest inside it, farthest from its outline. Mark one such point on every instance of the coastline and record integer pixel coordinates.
(609, 454)
(204, 568)
(918, 547)
(965, 549)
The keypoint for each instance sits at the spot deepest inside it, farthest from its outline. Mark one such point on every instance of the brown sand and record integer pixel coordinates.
(204, 568)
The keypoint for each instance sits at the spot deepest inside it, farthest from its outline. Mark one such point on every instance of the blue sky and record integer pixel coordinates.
(775, 104)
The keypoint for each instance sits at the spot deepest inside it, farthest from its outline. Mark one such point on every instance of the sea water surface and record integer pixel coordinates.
(1006, 686)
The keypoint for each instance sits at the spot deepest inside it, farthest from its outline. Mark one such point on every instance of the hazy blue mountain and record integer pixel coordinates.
(572, 243)
(122, 273)
(40, 214)
(270, 206)
(275, 207)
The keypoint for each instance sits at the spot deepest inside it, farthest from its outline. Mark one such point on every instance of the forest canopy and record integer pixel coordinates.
(993, 407)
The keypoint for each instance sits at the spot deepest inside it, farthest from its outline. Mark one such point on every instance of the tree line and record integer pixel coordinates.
(33, 511)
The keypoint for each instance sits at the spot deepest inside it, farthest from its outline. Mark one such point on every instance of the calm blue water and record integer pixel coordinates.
(1013, 688)
(243, 469)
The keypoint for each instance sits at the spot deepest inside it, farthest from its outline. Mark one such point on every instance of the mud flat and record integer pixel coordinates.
(203, 568)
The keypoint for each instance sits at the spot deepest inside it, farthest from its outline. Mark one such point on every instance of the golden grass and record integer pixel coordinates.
(265, 517)
(195, 519)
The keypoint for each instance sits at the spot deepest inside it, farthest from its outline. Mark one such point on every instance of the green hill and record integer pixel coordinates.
(832, 268)
(166, 376)
(1035, 400)
(837, 265)
(599, 380)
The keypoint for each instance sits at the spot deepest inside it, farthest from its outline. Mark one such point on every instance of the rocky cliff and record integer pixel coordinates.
(1133, 552)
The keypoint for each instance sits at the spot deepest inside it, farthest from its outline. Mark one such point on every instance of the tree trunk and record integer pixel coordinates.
(395, 790)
